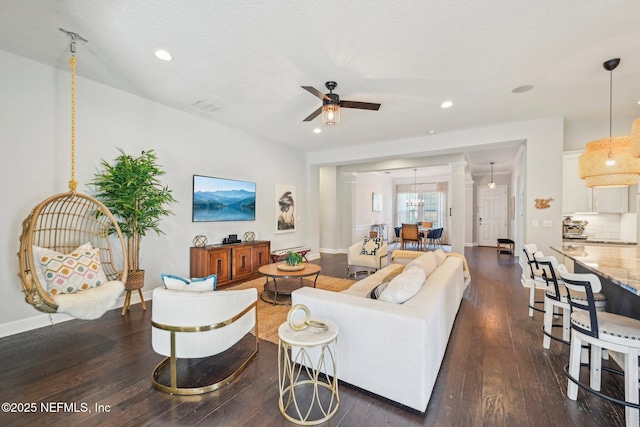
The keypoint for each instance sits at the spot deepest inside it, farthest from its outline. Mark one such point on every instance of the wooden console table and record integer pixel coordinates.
(232, 263)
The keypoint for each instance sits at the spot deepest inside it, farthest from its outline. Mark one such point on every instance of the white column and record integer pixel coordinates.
(457, 206)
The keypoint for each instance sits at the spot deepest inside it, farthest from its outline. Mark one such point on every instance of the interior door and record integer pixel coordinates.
(492, 215)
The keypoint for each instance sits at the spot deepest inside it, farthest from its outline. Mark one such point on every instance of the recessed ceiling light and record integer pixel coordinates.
(522, 89)
(446, 104)
(164, 55)
(638, 102)
(431, 132)
(317, 130)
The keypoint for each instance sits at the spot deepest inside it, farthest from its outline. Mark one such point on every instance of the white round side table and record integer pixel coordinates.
(305, 371)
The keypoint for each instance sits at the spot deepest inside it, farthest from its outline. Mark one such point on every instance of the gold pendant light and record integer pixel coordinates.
(607, 162)
(635, 138)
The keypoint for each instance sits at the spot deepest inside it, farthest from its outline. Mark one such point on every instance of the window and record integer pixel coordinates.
(430, 208)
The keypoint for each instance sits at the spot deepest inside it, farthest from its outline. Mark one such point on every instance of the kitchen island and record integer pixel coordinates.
(618, 268)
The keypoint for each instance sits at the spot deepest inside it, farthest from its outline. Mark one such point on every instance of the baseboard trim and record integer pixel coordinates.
(43, 320)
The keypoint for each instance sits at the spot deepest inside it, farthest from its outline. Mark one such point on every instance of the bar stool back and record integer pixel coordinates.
(556, 300)
(601, 330)
(532, 277)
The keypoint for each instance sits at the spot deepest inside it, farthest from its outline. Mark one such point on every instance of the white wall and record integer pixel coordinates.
(542, 166)
(578, 133)
(35, 135)
(366, 185)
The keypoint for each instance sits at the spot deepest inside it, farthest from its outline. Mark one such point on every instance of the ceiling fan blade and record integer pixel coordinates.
(360, 105)
(315, 92)
(313, 115)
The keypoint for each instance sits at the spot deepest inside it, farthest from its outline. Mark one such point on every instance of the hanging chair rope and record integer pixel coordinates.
(73, 184)
(62, 223)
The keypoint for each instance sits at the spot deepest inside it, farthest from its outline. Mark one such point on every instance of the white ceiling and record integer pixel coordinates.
(249, 58)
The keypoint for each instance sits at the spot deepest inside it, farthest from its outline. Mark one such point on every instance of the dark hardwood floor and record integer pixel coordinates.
(495, 372)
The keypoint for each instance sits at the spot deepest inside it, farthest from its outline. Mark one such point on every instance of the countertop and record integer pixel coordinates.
(620, 263)
(598, 241)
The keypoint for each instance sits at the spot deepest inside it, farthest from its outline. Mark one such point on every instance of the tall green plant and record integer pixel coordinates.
(131, 190)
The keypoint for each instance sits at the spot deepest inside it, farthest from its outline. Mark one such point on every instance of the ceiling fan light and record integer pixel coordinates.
(330, 114)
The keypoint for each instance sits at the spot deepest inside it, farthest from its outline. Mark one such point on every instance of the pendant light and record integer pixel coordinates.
(635, 138)
(607, 162)
(492, 183)
(417, 201)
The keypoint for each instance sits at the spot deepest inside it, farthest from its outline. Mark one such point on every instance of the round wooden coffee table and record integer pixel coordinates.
(281, 283)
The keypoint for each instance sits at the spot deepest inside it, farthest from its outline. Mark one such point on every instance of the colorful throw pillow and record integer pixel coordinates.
(377, 291)
(70, 273)
(39, 252)
(178, 283)
(404, 286)
(371, 246)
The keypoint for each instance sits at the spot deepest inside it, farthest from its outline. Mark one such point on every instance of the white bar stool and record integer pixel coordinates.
(532, 277)
(601, 330)
(556, 301)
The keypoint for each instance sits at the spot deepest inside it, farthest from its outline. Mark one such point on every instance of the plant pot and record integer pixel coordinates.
(135, 280)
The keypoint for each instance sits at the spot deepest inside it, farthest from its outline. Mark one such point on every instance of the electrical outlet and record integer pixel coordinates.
(535, 223)
(547, 223)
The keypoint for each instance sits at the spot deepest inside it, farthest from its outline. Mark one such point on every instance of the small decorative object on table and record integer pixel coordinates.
(200, 241)
(293, 262)
(249, 236)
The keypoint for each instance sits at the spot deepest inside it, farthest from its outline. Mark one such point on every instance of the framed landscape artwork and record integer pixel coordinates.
(219, 199)
(285, 208)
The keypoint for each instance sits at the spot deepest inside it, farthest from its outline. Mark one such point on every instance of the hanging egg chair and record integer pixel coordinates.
(68, 247)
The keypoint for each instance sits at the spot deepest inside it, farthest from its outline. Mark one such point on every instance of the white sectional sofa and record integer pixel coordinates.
(393, 350)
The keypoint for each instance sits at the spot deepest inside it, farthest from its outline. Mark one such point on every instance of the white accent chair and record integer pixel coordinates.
(601, 330)
(532, 277)
(191, 324)
(375, 259)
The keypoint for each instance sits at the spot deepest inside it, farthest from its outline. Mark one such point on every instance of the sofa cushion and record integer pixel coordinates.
(440, 256)
(427, 262)
(377, 291)
(404, 286)
(370, 246)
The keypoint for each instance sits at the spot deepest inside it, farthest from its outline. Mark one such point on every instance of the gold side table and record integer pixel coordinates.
(307, 366)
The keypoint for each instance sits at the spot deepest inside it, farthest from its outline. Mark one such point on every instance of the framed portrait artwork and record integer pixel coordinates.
(285, 208)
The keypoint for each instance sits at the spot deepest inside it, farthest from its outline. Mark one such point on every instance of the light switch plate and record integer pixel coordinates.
(547, 223)
(535, 223)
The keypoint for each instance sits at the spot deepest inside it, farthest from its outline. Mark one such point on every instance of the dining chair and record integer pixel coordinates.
(410, 234)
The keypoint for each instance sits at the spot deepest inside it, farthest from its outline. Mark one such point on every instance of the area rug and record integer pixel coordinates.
(270, 316)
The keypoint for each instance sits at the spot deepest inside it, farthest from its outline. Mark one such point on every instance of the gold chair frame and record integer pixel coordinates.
(172, 361)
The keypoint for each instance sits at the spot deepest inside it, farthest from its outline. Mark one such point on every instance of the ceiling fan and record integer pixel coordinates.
(331, 104)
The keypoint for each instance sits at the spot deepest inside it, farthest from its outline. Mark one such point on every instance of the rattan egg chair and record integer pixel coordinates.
(64, 222)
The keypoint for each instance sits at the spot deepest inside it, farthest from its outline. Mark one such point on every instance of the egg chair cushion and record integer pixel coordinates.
(92, 303)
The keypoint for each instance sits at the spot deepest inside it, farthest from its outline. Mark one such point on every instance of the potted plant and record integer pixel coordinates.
(293, 258)
(131, 190)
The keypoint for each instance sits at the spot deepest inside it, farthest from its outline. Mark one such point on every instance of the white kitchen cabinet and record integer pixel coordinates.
(576, 197)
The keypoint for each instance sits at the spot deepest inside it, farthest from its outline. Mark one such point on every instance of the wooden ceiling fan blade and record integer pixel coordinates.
(360, 105)
(315, 92)
(313, 115)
